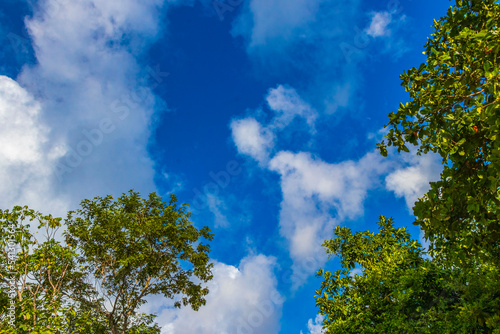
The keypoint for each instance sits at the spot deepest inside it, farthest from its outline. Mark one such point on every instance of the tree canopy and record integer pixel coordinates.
(113, 254)
(386, 284)
(454, 110)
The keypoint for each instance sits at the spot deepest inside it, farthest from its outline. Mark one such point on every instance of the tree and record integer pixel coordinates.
(114, 254)
(39, 274)
(454, 111)
(396, 288)
(135, 247)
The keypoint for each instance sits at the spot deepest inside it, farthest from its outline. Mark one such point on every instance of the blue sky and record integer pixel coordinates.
(262, 114)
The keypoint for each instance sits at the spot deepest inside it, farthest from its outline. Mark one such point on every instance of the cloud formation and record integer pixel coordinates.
(87, 103)
(287, 105)
(252, 139)
(303, 40)
(257, 139)
(268, 21)
(26, 156)
(242, 300)
(217, 207)
(379, 23)
(317, 195)
(412, 181)
(314, 326)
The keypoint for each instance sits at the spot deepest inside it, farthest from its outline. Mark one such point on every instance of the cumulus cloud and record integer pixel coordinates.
(317, 195)
(242, 299)
(252, 139)
(257, 139)
(26, 156)
(315, 191)
(379, 23)
(314, 326)
(412, 182)
(86, 104)
(287, 105)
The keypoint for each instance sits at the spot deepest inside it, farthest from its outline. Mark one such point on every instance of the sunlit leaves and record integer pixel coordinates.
(396, 289)
(136, 247)
(113, 254)
(454, 111)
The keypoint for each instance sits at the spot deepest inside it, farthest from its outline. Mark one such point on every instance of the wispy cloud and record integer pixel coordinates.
(275, 21)
(218, 208)
(319, 44)
(301, 39)
(379, 23)
(287, 105)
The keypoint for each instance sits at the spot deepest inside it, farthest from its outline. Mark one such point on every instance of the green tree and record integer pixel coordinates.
(113, 255)
(397, 289)
(45, 274)
(454, 110)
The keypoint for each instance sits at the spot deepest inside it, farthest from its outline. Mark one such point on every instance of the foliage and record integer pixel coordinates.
(398, 289)
(43, 272)
(454, 111)
(112, 255)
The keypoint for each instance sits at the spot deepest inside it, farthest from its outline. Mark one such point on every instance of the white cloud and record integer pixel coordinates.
(318, 195)
(217, 207)
(389, 24)
(314, 326)
(343, 184)
(89, 114)
(258, 140)
(356, 271)
(26, 156)
(412, 182)
(242, 300)
(379, 23)
(252, 139)
(287, 104)
(269, 21)
(21, 136)
(304, 38)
